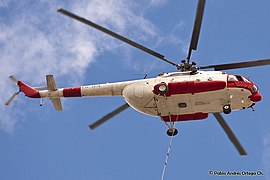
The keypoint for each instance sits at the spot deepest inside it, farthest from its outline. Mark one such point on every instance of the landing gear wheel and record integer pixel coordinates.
(227, 109)
(172, 132)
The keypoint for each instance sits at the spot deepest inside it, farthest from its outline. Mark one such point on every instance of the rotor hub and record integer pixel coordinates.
(186, 66)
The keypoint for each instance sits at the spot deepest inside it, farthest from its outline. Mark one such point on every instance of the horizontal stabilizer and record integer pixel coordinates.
(57, 104)
(51, 86)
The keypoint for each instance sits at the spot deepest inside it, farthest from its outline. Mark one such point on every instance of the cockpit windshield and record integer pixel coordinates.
(238, 78)
(246, 80)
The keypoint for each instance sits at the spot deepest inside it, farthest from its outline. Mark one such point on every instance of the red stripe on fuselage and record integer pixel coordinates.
(240, 84)
(72, 92)
(185, 117)
(192, 87)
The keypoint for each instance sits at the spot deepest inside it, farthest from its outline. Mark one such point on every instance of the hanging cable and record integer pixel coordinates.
(167, 157)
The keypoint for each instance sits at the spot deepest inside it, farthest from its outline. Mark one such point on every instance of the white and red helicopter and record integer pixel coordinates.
(188, 94)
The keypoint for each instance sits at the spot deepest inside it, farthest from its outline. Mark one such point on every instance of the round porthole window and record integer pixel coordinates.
(162, 88)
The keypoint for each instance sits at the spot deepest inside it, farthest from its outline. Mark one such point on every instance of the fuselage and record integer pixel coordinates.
(176, 96)
(191, 96)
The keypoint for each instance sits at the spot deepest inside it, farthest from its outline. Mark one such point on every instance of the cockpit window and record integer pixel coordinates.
(246, 80)
(239, 78)
(232, 78)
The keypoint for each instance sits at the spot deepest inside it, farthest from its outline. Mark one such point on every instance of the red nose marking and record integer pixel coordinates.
(255, 97)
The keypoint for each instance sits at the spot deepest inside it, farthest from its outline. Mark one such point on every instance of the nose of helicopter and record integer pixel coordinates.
(256, 97)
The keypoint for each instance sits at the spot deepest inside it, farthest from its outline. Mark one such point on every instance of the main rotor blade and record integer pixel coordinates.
(12, 98)
(246, 64)
(230, 134)
(109, 116)
(196, 28)
(117, 36)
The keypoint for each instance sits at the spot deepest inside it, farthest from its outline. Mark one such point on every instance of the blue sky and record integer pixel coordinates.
(39, 143)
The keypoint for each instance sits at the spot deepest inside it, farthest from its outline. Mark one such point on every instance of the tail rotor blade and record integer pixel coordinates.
(13, 79)
(12, 98)
(109, 116)
(230, 134)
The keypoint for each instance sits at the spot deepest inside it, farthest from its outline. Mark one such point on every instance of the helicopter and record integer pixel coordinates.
(188, 94)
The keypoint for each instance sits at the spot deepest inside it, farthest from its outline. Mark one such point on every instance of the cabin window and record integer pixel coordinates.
(182, 105)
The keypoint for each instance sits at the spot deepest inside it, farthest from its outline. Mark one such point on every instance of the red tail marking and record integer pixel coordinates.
(28, 90)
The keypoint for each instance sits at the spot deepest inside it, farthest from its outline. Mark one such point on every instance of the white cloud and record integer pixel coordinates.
(35, 41)
(172, 38)
(120, 15)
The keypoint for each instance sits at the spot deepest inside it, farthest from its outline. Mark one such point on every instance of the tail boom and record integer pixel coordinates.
(54, 94)
(110, 89)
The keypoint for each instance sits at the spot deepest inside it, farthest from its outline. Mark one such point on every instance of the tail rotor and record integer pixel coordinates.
(13, 79)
